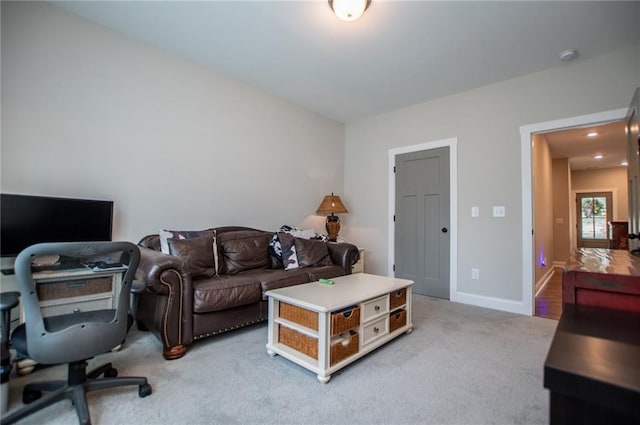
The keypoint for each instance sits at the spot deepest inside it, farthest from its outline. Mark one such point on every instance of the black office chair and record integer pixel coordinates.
(77, 337)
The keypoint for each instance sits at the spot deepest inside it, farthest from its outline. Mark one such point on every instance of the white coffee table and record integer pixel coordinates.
(326, 327)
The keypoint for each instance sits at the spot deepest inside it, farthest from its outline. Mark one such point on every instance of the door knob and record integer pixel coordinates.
(444, 230)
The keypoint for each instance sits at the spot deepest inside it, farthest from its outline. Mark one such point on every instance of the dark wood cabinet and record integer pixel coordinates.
(592, 369)
(619, 235)
(602, 278)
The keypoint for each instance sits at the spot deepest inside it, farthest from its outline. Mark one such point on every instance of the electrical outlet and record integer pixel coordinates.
(475, 274)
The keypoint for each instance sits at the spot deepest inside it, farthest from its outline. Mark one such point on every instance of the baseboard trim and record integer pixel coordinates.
(540, 284)
(494, 303)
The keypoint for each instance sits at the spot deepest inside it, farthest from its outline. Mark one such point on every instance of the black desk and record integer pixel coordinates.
(593, 367)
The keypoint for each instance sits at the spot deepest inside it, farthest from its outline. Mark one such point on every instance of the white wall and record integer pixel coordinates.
(486, 122)
(87, 112)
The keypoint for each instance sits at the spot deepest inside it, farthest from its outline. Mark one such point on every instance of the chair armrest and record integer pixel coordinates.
(8, 300)
(344, 255)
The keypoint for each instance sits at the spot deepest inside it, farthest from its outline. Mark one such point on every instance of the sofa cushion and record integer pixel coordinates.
(312, 253)
(274, 279)
(324, 272)
(222, 292)
(197, 254)
(245, 251)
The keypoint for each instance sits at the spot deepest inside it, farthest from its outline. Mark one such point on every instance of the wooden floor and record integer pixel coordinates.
(549, 302)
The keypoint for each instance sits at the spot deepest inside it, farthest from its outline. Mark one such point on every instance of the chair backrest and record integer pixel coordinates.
(77, 336)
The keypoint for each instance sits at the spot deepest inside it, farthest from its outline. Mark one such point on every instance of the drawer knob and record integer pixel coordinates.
(376, 330)
(376, 308)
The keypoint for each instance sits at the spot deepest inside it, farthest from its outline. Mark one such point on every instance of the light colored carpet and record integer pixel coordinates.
(460, 365)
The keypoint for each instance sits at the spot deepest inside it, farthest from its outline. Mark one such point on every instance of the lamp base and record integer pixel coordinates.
(333, 227)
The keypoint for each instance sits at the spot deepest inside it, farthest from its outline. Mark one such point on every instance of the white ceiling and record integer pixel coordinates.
(581, 149)
(398, 54)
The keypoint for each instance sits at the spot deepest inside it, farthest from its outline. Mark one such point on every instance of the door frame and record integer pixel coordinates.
(526, 158)
(452, 144)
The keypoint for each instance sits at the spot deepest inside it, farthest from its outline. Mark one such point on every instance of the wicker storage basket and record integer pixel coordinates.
(397, 319)
(345, 320)
(299, 315)
(397, 298)
(343, 348)
(298, 341)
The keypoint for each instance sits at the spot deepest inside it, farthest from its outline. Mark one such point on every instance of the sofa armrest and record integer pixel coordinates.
(153, 264)
(165, 306)
(344, 255)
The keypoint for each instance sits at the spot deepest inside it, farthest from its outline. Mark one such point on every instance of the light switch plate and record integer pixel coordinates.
(475, 211)
(499, 211)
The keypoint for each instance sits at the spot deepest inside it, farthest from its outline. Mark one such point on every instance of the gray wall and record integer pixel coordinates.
(487, 123)
(87, 112)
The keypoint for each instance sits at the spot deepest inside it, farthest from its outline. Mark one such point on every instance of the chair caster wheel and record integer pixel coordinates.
(29, 396)
(144, 390)
(111, 373)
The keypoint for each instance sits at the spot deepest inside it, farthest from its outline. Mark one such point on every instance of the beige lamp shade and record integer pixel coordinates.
(332, 204)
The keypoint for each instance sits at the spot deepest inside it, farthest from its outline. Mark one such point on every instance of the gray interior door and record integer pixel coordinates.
(633, 172)
(422, 221)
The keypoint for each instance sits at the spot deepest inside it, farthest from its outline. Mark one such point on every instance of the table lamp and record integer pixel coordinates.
(331, 204)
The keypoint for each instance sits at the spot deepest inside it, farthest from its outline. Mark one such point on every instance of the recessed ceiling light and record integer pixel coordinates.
(624, 163)
(598, 156)
(592, 134)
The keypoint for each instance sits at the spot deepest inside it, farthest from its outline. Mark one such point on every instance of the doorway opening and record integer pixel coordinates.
(537, 265)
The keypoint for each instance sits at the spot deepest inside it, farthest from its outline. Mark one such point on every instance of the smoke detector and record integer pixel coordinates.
(568, 55)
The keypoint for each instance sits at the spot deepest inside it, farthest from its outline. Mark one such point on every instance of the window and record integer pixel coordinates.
(594, 214)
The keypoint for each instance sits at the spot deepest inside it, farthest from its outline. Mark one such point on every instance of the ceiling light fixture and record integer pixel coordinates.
(598, 156)
(568, 55)
(624, 163)
(349, 10)
(592, 134)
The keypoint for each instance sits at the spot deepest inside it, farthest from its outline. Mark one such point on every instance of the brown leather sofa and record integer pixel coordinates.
(188, 297)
